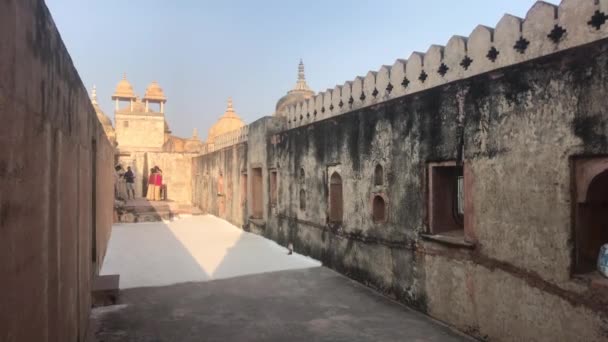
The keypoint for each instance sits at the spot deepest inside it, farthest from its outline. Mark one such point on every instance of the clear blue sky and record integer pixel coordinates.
(201, 52)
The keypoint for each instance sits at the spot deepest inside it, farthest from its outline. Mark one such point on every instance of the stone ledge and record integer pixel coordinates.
(452, 241)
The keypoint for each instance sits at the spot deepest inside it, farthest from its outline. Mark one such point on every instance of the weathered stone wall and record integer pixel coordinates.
(515, 130)
(140, 131)
(56, 192)
(218, 183)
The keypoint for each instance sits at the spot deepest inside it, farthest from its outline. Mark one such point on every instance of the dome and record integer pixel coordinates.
(299, 93)
(154, 92)
(103, 118)
(227, 123)
(123, 89)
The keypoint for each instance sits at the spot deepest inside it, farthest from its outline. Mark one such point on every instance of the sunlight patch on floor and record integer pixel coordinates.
(197, 248)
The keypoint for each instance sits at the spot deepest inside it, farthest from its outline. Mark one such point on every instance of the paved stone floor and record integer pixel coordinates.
(201, 279)
(314, 304)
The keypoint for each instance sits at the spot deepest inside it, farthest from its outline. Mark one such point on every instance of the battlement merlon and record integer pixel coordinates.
(546, 29)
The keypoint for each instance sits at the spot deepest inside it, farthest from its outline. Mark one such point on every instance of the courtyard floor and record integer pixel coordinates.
(202, 279)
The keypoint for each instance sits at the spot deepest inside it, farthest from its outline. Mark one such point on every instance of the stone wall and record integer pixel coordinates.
(509, 274)
(140, 131)
(56, 192)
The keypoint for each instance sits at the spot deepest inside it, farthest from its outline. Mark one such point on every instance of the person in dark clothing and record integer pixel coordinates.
(130, 180)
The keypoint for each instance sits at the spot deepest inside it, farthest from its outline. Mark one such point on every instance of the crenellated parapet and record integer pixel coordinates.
(228, 139)
(546, 29)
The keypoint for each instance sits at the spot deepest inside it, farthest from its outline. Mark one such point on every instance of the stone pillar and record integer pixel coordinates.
(162, 107)
(116, 104)
(147, 105)
(131, 102)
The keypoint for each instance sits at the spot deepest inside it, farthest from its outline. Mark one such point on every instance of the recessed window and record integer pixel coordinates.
(302, 175)
(379, 209)
(591, 211)
(446, 198)
(243, 189)
(302, 199)
(256, 193)
(273, 188)
(335, 198)
(378, 175)
(125, 124)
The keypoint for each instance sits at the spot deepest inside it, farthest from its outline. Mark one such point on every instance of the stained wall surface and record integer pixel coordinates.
(56, 192)
(509, 275)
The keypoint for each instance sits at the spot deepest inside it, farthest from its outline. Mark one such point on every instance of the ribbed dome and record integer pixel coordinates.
(227, 123)
(154, 92)
(299, 93)
(123, 89)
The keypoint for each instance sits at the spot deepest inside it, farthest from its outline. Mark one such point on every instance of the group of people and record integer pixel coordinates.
(155, 184)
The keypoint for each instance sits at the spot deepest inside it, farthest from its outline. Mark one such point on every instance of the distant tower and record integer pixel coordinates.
(138, 127)
(300, 92)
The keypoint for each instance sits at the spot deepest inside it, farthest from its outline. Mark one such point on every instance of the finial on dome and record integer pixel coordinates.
(301, 75)
(301, 83)
(94, 95)
(195, 133)
(124, 75)
(229, 109)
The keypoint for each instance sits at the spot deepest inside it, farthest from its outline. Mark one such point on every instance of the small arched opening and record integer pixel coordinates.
(335, 198)
(301, 175)
(379, 209)
(378, 175)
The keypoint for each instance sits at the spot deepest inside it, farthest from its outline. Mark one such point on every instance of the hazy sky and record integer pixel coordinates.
(201, 52)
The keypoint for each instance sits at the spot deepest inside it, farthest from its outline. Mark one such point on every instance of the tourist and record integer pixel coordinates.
(158, 183)
(130, 180)
(151, 185)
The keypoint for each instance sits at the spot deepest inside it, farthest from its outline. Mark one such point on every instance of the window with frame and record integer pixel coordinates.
(446, 198)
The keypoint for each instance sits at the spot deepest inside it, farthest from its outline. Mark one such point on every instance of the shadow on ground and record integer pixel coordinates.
(314, 304)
